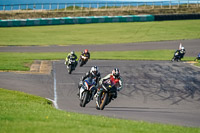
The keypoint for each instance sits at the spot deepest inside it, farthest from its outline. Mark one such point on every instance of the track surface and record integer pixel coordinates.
(154, 91)
(192, 47)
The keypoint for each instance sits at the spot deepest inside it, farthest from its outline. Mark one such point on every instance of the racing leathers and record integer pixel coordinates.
(89, 74)
(84, 57)
(180, 53)
(117, 82)
(71, 56)
(85, 54)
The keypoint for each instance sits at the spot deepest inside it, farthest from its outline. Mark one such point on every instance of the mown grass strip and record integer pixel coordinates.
(22, 61)
(22, 113)
(103, 33)
(137, 55)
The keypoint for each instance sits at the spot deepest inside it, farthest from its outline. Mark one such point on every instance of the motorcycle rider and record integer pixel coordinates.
(115, 79)
(197, 58)
(93, 74)
(181, 52)
(85, 53)
(71, 55)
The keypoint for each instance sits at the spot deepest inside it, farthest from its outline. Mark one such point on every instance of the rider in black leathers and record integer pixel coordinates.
(86, 53)
(93, 74)
(181, 52)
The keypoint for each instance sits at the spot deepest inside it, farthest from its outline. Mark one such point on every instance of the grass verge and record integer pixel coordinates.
(102, 33)
(22, 61)
(22, 113)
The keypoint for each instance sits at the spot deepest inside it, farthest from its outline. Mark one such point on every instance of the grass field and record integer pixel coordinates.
(23, 113)
(22, 61)
(103, 33)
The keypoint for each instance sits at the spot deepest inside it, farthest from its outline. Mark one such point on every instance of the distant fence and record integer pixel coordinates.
(75, 20)
(102, 5)
(94, 19)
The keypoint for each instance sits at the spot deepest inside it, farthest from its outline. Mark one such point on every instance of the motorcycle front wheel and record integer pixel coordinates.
(103, 100)
(84, 99)
(81, 63)
(70, 69)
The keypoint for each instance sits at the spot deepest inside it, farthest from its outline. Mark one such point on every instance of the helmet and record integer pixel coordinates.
(86, 51)
(182, 48)
(72, 52)
(94, 70)
(116, 73)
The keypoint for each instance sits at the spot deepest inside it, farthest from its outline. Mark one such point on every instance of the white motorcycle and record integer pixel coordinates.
(71, 65)
(87, 91)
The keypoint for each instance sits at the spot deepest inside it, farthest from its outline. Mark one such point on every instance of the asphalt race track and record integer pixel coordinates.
(192, 47)
(154, 91)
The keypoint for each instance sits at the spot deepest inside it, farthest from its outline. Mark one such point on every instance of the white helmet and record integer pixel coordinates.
(182, 48)
(72, 52)
(116, 73)
(94, 70)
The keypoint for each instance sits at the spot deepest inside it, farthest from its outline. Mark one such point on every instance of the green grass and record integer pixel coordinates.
(198, 64)
(137, 55)
(22, 61)
(103, 33)
(23, 113)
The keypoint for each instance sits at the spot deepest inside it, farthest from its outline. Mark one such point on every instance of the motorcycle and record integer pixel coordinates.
(87, 91)
(176, 57)
(108, 93)
(197, 58)
(83, 60)
(71, 65)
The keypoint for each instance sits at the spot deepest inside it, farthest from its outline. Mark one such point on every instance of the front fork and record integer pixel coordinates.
(81, 90)
(80, 93)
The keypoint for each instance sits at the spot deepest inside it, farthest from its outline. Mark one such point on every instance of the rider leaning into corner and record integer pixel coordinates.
(181, 52)
(115, 79)
(71, 55)
(85, 53)
(93, 74)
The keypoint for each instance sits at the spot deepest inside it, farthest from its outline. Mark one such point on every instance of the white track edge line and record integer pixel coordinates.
(55, 89)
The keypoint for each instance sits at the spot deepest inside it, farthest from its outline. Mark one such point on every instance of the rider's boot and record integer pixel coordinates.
(94, 94)
(115, 95)
(99, 90)
(97, 98)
